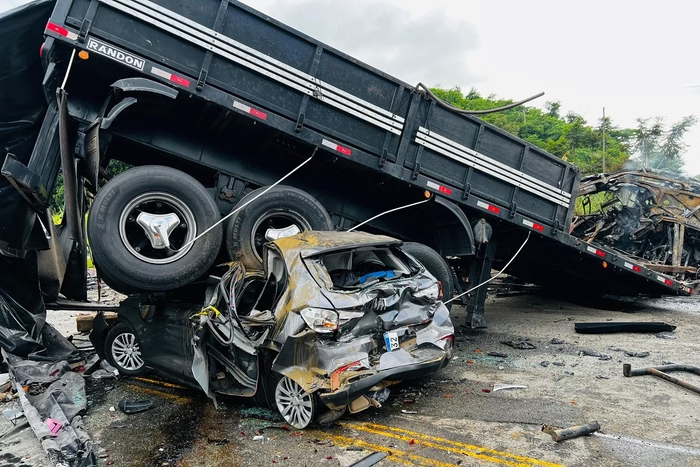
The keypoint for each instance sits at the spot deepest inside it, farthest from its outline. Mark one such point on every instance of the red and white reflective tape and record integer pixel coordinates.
(249, 110)
(489, 207)
(440, 188)
(171, 77)
(62, 31)
(337, 147)
(633, 267)
(533, 225)
(596, 251)
(665, 281)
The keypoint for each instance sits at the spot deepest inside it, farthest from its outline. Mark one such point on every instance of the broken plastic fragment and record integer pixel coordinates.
(13, 414)
(53, 425)
(499, 387)
(129, 407)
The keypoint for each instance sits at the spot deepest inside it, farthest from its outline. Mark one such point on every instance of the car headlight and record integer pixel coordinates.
(320, 320)
(431, 293)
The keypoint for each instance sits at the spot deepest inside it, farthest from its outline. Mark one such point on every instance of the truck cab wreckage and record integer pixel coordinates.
(649, 215)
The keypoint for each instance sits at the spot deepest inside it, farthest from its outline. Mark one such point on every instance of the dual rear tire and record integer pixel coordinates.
(143, 222)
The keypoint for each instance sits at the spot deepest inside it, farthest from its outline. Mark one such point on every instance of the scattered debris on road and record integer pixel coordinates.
(563, 434)
(522, 343)
(131, 407)
(501, 387)
(661, 372)
(612, 327)
(370, 460)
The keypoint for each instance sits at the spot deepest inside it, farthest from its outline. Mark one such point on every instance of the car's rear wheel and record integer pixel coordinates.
(123, 351)
(283, 207)
(141, 225)
(295, 405)
(435, 264)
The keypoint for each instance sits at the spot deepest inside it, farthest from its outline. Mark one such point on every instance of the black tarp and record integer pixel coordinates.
(22, 108)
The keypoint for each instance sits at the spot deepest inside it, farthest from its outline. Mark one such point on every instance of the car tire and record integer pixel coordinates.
(280, 207)
(123, 351)
(297, 407)
(435, 264)
(125, 258)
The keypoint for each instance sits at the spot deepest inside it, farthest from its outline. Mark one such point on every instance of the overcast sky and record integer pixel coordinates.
(635, 58)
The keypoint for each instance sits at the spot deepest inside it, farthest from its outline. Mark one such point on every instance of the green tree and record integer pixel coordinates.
(569, 137)
(661, 149)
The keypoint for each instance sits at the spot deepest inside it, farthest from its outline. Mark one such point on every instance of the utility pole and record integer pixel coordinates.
(604, 139)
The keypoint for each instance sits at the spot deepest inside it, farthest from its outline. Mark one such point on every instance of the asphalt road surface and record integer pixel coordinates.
(453, 417)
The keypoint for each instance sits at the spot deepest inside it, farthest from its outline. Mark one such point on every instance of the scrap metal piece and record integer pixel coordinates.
(612, 327)
(563, 434)
(499, 387)
(370, 460)
(660, 371)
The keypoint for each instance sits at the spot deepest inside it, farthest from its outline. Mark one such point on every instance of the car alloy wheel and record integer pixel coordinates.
(295, 404)
(126, 352)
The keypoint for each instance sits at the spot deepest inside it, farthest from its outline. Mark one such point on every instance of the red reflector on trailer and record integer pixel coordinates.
(57, 29)
(337, 147)
(533, 225)
(61, 31)
(180, 81)
(668, 282)
(489, 207)
(440, 188)
(636, 268)
(248, 109)
(170, 77)
(596, 251)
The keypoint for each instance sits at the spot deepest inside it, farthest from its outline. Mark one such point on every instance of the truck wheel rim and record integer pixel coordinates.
(126, 352)
(274, 219)
(137, 241)
(295, 404)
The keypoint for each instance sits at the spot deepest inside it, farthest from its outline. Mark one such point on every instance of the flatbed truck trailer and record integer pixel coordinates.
(212, 101)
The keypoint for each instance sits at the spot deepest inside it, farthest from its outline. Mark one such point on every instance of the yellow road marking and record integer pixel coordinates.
(160, 383)
(403, 457)
(477, 452)
(156, 392)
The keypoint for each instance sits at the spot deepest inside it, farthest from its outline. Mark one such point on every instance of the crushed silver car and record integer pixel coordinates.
(331, 322)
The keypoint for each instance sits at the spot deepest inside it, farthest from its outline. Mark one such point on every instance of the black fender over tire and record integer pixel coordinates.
(118, 259)
(435, 264)
(279, 206)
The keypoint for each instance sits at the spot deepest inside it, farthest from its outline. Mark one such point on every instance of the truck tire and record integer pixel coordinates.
(435, 264)
(281, 207)
(127, 259)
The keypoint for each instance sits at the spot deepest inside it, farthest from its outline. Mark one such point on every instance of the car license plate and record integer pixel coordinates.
(391, 339)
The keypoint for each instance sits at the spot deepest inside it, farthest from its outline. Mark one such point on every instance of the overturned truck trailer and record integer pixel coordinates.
(212, 102)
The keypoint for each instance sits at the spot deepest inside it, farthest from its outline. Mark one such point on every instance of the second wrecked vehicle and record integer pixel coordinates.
(650, 215)
(332, 321)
